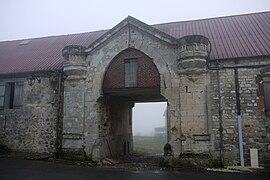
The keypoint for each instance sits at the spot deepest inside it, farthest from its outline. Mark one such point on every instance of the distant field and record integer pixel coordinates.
(147, 144)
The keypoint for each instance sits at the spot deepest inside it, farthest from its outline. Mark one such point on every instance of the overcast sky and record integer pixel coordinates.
(147, 116)
(22, 19)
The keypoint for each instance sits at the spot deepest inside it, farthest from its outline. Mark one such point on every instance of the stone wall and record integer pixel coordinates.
(255, 126)
(194, 114)
(116, 127)
(97, 62)
(98, 124)
(32, 126)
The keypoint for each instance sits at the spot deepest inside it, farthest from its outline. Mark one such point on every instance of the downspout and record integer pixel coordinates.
(239, 120)
(83, 133)
(217, 68)
(58, 144)
(221, 155)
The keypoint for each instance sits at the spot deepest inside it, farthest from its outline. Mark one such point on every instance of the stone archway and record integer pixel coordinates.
(130, 77)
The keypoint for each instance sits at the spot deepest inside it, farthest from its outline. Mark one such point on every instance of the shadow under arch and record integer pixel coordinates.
(120, 96)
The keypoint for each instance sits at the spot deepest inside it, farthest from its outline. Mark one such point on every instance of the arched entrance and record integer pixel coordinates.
(131, 77)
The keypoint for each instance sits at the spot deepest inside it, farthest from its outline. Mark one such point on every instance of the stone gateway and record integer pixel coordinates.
(75, 93)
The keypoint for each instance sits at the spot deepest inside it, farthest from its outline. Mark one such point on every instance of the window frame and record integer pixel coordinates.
(12, 94)
(128, 83)
(266, 80)
(18, 94)
(2, 96)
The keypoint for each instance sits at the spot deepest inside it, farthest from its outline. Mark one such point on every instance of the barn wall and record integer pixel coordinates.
(255, 125)
(31, 127)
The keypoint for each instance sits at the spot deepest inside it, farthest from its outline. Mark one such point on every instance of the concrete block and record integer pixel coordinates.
(254, 158)
(201, 137)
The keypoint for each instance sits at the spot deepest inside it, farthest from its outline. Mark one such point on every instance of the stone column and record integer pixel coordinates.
(74, 99)
(192, 55)
(194, 81)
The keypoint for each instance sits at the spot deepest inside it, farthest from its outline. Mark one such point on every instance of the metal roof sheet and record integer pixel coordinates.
(231, 37)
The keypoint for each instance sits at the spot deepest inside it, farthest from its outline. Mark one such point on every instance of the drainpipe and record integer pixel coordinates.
(239, 120)
(217, 68)
(59, 113)
(221, 156)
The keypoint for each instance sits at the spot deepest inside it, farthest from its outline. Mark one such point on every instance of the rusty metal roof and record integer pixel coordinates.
(231, 37)
(39, 54)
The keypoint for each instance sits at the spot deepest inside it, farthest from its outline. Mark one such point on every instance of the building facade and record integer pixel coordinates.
(76, 93)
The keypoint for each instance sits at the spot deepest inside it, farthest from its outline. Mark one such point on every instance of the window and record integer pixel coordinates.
(11, 94)
(266, 88)
(2, 95)
(131, 68)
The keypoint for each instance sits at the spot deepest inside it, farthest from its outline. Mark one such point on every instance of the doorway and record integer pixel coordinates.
(149, 127)
(130, 78)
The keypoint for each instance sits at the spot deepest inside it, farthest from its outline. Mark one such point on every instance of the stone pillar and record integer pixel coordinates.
(74, 99)
(194, 81)
(74, 64)
(192, 55)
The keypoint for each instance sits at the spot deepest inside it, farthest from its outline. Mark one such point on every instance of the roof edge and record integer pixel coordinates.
(239, 58)
(24, 74)
(210, 18)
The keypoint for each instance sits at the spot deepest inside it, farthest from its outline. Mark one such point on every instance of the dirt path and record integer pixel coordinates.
(137, 161)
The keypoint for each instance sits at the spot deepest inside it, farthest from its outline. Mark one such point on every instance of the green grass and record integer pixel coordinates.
(147, 144)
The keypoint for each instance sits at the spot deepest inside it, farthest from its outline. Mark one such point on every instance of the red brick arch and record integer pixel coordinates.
(147, 73)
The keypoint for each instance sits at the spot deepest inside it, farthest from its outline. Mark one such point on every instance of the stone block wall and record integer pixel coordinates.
(73, 135)
(116, 126)
(194, 114)
(99, 123)
(256, 133)
(32, 126)
(98, 60)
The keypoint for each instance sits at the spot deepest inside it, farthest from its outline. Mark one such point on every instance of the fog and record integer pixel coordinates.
(147, 116)
(22, 19)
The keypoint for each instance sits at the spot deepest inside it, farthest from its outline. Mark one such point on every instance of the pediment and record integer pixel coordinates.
(130, 22)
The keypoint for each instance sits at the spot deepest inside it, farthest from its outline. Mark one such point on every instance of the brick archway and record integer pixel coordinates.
(134, 74)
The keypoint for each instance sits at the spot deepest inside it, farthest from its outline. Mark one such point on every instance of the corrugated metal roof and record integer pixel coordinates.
(40, 54)
(231, 37)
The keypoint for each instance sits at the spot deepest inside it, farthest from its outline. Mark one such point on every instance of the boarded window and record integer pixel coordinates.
(131, 68)
(18, 94)
(266, 86)
(11, 94)
(2, 95)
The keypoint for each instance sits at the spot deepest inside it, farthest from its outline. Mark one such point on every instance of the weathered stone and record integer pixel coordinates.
(201, 112)
(31, 127)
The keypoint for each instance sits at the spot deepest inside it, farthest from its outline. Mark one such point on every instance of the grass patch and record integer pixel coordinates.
(147, 144)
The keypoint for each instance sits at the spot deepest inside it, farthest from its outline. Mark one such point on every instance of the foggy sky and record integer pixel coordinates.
(22, 19)
(147, 116)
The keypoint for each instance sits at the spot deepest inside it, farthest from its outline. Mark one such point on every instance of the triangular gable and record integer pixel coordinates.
(136, 23)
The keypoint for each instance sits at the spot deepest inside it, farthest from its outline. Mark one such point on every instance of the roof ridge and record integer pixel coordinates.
(219, 17)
